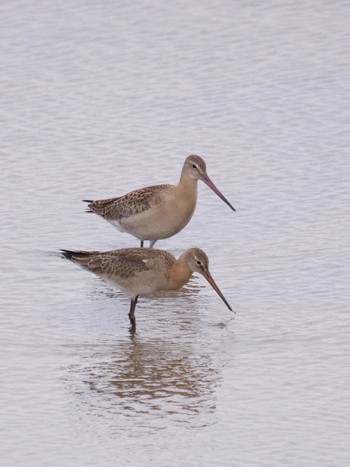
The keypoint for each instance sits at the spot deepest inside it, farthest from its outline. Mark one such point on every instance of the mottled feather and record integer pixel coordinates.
(135, 202)
(124, 263)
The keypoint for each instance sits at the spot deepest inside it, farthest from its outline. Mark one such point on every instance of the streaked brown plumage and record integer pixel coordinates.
(144, 271)
(160, 211)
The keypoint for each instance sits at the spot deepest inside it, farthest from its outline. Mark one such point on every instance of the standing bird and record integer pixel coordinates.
(144, 271)
(160, 211)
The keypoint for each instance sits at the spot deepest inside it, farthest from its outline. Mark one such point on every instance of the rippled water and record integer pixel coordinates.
(99, 98)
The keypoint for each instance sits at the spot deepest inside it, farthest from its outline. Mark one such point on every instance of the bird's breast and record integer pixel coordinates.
(162, 220)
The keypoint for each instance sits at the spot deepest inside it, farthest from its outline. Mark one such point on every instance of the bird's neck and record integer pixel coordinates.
(180, 274)
(186, 183)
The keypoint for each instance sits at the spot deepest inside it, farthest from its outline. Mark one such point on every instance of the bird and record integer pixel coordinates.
(144, 271)
(157, 212)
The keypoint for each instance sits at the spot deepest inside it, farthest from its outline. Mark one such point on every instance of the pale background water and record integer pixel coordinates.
(98, 98)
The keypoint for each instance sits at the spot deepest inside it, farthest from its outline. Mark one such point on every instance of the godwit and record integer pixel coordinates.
(157, 212)
(144, 271)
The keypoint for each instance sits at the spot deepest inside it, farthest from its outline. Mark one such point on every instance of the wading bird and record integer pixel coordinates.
(144, 271)
(157, 212)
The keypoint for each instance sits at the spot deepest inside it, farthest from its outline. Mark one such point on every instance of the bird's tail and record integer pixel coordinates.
(89, 208)
(82, 258)
(68, 254)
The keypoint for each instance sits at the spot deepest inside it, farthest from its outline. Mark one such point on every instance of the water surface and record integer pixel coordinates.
(99, 99)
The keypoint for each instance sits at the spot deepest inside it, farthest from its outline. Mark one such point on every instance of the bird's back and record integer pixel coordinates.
(134, 270)
(131, 204)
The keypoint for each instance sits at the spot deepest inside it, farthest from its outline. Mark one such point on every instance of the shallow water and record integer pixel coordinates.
(101, 99)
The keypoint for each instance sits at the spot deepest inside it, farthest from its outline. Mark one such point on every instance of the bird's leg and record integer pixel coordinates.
(151, 243)
(132, 313)
(141, 243)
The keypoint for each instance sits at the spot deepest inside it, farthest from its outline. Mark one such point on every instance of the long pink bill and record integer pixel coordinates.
(211, 281)
(211, 185)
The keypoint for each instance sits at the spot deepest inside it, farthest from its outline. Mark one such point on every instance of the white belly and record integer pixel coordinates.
(156, 223)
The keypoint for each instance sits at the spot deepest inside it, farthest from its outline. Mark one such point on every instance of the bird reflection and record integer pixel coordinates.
(138, 376)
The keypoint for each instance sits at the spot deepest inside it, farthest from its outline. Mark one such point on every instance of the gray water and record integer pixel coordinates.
(98, 98)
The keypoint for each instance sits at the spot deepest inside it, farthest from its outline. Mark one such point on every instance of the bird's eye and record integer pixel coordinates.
(194, 166)
(199, 263)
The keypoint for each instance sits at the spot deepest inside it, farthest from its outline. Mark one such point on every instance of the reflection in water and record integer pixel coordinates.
(148, 379)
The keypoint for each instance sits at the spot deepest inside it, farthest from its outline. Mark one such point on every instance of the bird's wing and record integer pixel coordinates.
(122, 264)
(135, 202)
